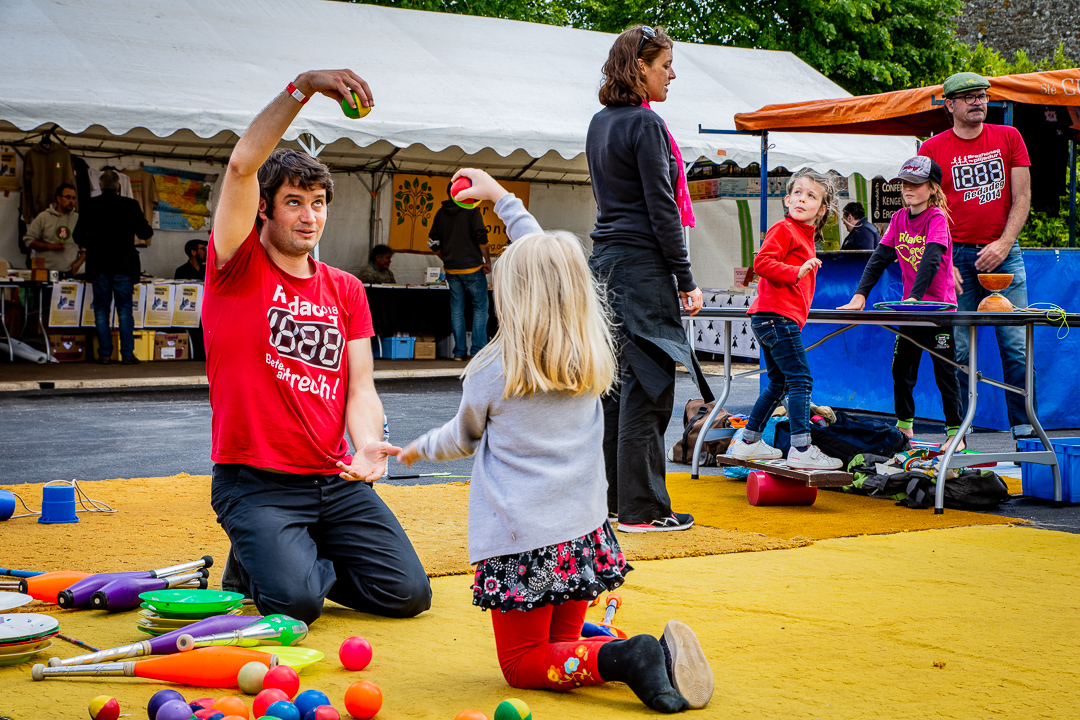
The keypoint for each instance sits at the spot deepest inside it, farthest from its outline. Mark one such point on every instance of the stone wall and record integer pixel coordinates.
(1035, 26)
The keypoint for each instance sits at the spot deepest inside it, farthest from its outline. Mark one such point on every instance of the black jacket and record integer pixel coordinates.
(634, 175)
(108, 226)
(457, 234)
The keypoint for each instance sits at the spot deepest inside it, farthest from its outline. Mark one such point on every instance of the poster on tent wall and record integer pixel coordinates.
(184, 199)
(189, 299)
(159, 309)
(66, 304)
(418, 197)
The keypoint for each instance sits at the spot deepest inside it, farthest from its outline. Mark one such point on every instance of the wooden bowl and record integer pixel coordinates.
(995, 282)
(995, 303)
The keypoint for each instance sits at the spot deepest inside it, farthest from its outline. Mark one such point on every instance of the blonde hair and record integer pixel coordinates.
(938, 200)
(828, 193)
(554, 325)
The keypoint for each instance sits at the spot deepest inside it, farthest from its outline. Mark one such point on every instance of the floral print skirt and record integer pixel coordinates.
(578, 569)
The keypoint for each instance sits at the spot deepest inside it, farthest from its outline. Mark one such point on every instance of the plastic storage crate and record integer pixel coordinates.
(398, 348)
(1038, 480)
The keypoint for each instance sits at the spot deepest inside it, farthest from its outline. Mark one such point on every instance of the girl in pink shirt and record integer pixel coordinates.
(918, 237)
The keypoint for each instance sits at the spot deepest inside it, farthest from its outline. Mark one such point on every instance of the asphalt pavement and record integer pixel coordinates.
(124, 434)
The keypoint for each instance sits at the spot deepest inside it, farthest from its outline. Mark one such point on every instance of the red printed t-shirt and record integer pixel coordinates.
(909, 237)
(977, 179)
(788, 244)
(277, 362)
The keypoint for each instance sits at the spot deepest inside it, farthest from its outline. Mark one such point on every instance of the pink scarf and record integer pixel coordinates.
(682, 192)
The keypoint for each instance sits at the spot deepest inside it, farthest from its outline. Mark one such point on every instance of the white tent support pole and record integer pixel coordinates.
(309, 144)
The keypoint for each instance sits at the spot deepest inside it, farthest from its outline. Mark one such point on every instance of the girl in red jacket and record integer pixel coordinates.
(787, 265)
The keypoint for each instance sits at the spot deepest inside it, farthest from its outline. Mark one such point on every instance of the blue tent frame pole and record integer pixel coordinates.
(764, 186)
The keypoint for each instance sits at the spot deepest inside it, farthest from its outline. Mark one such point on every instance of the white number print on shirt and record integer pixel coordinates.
(300, 330)
(980, 177)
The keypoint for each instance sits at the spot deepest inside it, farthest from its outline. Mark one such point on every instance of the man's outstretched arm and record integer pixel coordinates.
(239, 201)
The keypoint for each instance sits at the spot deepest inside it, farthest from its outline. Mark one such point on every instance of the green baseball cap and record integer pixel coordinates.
(963, 82)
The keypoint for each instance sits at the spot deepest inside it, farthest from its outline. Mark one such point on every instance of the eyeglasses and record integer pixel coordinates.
(981, 98)
(647, 34)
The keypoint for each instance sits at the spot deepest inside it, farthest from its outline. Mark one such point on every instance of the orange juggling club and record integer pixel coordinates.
(45, 586)
(215, 667)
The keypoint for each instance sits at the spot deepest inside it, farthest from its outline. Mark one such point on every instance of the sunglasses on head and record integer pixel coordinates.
(647, 34)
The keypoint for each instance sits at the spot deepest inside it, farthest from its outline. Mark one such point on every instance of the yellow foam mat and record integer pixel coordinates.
(971, 622)
(720, 502)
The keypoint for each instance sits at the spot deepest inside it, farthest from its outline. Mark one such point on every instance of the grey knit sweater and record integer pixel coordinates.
(538, 477)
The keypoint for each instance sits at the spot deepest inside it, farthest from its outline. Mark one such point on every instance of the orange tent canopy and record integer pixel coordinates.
(906, 112)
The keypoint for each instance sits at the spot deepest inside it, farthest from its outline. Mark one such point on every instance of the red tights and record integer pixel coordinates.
(542, 648)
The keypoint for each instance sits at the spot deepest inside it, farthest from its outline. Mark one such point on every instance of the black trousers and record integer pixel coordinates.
(303, 538)
(634, 456)
(905, 371)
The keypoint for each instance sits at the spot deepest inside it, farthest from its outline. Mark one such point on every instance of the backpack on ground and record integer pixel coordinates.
(850, 436)
(973, 488)
(694, 415)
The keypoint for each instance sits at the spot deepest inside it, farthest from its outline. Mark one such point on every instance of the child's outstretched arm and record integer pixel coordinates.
(459, 437)
(883, 256)
(508, 207)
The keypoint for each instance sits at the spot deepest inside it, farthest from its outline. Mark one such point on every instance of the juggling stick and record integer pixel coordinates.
(46, 586)
(273, 630)
(163, 644)
(81, 593)
(123, 594)
(19, 573)
(215, 667)
(614, 600)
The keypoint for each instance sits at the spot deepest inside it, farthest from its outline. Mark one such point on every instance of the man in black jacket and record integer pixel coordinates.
(107, 230)
(861, 234)
(459, 237)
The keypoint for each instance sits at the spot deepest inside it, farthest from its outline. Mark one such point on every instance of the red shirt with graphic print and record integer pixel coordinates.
(276, 359)
(977, 179)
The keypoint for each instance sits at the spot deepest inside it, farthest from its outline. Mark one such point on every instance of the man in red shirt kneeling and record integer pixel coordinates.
(290, 368)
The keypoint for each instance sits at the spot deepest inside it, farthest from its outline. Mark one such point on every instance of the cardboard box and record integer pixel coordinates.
(39, 275)
(172, 346)
(67, 348)
(424, 350)
(144, 345)
(4, 268)
(425, 338)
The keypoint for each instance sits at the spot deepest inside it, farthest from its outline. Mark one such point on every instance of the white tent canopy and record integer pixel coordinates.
(183, 78)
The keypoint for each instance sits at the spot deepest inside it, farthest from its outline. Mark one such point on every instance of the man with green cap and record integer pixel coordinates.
(987, 181)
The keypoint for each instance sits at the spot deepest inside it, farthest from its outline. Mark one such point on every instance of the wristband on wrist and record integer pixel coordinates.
(295, 92)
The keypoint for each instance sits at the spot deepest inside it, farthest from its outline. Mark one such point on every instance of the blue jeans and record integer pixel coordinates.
(302, 538)
(1011, 341)
(782, 351)
(121, 289)
(475, 284)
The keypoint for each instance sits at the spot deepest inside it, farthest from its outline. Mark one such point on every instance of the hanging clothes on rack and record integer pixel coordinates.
(46, 166)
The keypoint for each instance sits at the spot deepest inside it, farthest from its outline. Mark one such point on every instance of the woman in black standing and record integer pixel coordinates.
(639, 184)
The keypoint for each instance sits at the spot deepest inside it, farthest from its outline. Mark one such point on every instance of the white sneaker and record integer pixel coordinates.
(812, 459)
(759, 450)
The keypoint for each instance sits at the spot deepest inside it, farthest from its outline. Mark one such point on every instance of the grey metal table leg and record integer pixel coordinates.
(1029, 405)
(41, 320)
(719, 401)
(965, 425)
(3, 324)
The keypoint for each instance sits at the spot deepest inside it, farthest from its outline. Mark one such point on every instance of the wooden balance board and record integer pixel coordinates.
(812, 478)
